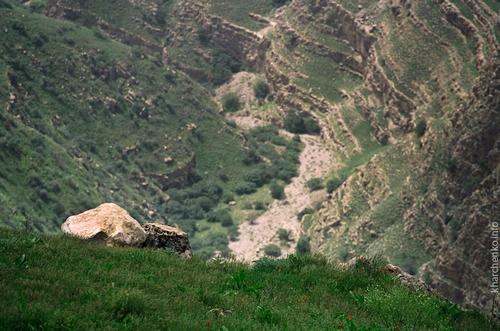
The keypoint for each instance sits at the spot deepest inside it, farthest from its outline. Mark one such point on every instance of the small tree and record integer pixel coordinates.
(421, 127)
(333, 184)
(303, 246)
(284, 235)
(312, 126)
(231, 102)
(259, 205)
(294, 123)
(277, 191)
(221, 216)
(314, 184)
(245, 188)
(272, 250)
(261, 89)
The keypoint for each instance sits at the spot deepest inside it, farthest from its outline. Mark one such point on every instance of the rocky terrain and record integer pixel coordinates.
(405, 94)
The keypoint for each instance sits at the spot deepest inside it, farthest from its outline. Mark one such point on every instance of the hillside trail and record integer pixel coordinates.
(315, 161)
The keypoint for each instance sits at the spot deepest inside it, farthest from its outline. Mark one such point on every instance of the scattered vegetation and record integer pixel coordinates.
(272, 250)
(333, 184)
(303, 212)
(231, 102)
(303, 246)
(223, 66)
(261, 89)
(421, 127)
(314, 184)
(277, 191)
(284, 235)
(300, 123)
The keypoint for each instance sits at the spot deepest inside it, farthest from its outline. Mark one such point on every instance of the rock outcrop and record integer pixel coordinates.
(107, 223)
(167, 237)
(60, 9)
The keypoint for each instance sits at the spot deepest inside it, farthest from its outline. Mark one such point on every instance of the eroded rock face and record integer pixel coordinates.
(164, 236)
(109, 223)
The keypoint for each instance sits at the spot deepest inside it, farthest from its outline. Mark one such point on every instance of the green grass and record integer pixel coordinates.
(494, 4)
(326, 78)
(355, 6)
(72, 140)
(236, 11)
(464, 9)
(124, 15)
(59, 283)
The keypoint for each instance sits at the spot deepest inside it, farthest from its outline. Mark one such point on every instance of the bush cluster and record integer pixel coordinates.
(284, 235)
(272, 250)
(301, 123)
(303, 246)
(263, 142)
(223, 67)
(421, 127)
(314, 184)
(231, 102)
(221, 216)
(194, 202)
(261, 90)
(333, 184)
(277, 191)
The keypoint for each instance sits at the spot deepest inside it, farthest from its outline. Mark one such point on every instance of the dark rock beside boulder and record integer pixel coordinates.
(164, 236)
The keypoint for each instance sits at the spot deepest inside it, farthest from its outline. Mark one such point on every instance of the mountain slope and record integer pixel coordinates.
(89, 119)
(392, 84)
(404, 93)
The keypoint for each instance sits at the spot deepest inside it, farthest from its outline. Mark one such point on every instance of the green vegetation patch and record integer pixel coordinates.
(237, 11)
(58, 283)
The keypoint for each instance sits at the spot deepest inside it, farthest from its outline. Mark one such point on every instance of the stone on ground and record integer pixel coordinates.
(164, 236)
(108, 223)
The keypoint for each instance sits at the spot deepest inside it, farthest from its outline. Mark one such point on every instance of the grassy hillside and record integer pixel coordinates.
(58, 283)
(91, 120)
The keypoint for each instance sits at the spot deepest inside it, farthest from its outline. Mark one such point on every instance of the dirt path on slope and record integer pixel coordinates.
(315, 161)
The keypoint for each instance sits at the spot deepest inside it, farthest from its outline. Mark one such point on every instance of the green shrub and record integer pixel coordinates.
(231, 102)
(314, 184)
(227, 221)
(247, 205)
(284, 235)
(223, 67)
(233, 232)
(245, 188)
(294, 123)
(272, 250)
(227, 197)
(303, 246)
(259, 205)
(300, 122)
(277, 191)
(261, 89)
(311, 126)
(333, 184)
(421, 127)
(220, 216)
(258, 176)
(251, 157)
(303, 212)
